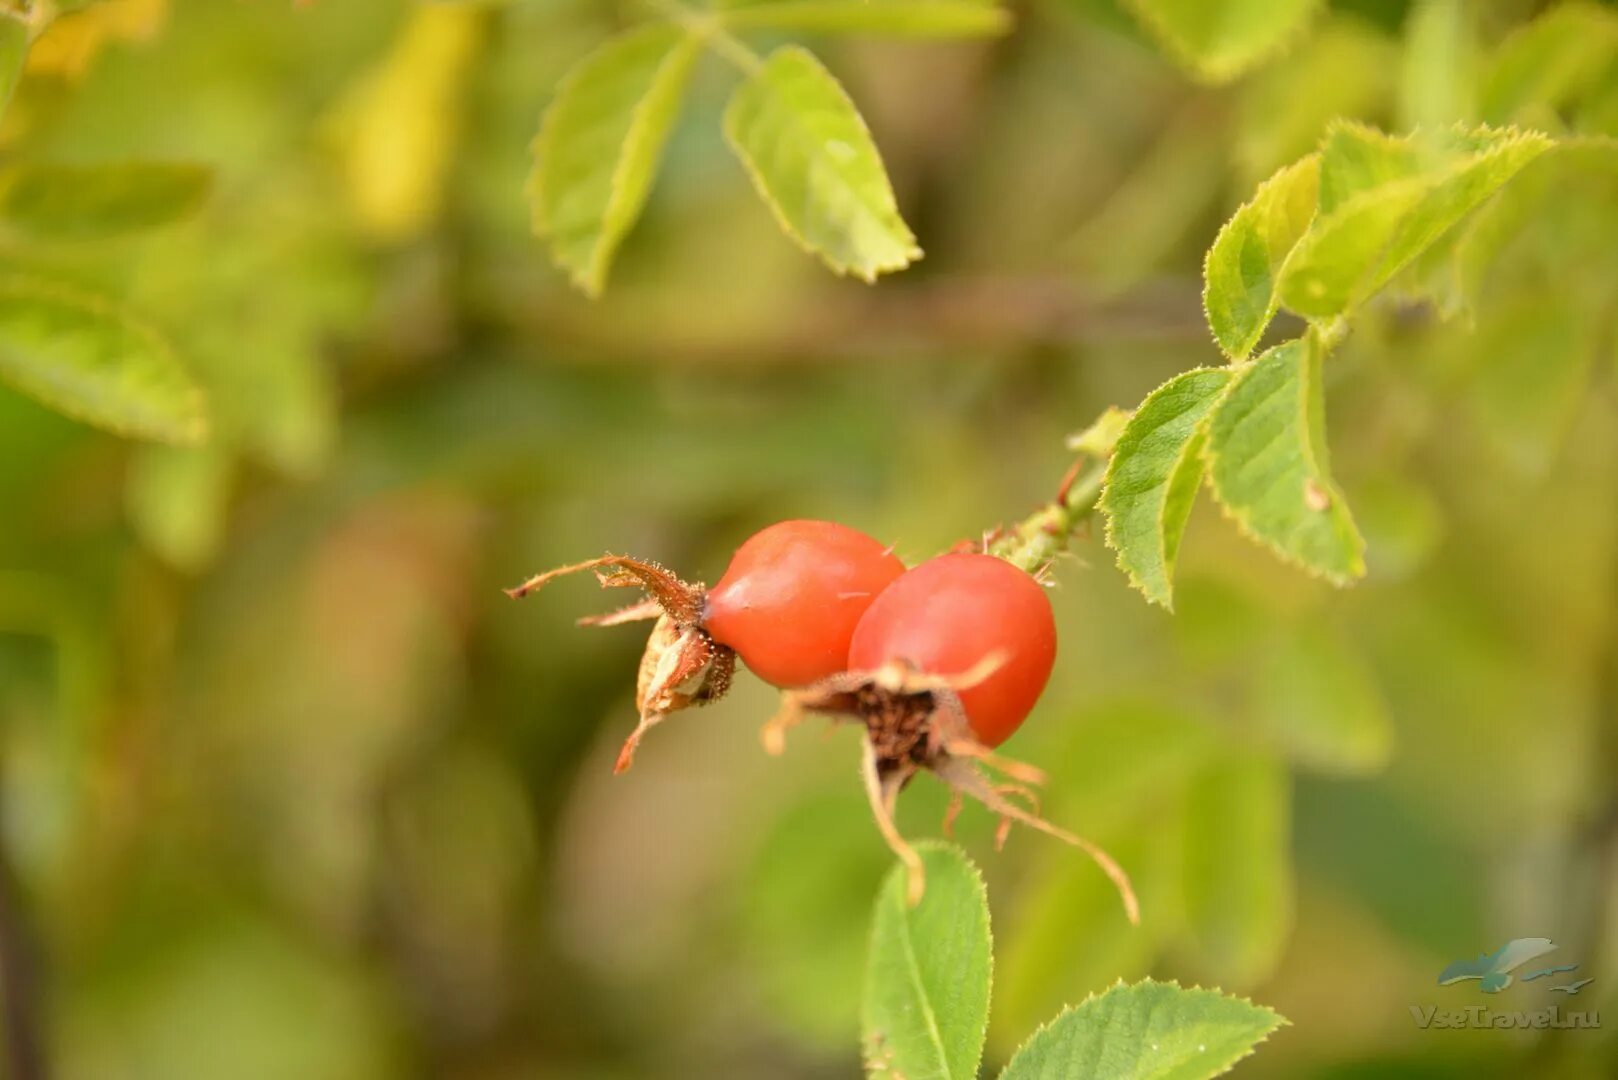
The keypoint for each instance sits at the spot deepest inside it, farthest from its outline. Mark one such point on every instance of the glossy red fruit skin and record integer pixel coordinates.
(792, 595)
(947, 614)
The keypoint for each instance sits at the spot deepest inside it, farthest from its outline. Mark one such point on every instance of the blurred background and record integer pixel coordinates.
(288, 789)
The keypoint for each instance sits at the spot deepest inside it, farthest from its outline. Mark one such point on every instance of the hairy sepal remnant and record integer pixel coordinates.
(682, 666)
(914, 722)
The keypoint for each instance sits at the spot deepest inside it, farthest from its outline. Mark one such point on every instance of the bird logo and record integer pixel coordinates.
(1494, 971)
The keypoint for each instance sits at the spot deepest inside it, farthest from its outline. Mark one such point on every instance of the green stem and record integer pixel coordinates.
(707, 27)
(1036, 540)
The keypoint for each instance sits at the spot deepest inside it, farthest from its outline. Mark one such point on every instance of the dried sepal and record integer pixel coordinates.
(639, 611)
(914, 722)
(682, 665)
(679, 599)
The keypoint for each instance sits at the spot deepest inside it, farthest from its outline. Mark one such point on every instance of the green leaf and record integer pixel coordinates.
(1119, 760)
(84, 357)
(1153, 479)
(1239, 291)
(1219, 39)
(177, 498)
(1319, 702)
(927, 982)
(1355, 159)
(1343, 69)
(1099, 439)
(90, 202)
(1548, 62)
(1402, 522)
(1440, 64)
(1268, 463)
(801, 911)
(1385, 201)
(1121, 768)
(902, 18)
(1148, 1031)
(813, 161)
(1330, 268)
(1457, 191)
(1238, 866)
(1531, 361)
(599, 144)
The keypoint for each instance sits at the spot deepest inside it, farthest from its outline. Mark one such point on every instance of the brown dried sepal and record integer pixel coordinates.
(914, 722)
(682, 666)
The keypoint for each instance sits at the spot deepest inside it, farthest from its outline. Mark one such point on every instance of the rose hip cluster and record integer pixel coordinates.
(940, 663)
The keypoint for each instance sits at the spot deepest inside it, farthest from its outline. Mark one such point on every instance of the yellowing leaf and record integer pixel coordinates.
(599, 145)
(84, 357)
(813, 161)
(71, 43)
(1219, 39)
(397, 128)
(1241, 274)
(1267, 463)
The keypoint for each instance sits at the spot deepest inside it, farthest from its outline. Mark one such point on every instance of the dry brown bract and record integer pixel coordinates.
(682, 666)
(914, 722)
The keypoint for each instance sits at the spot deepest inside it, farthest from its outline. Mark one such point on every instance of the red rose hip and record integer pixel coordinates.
(792, 596)
(950, 614)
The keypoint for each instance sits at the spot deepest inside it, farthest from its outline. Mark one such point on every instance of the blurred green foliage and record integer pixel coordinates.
(289, 789)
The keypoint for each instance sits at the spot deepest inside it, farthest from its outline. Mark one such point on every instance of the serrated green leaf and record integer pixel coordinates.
(176, 499)
(599, 145)
(1153, 478)
(1355, 159)
(1240, 276)
(1238, 867)
(1268, 465)
(927, 981)
(84, 357)
(1330, 269)
(813, 161)
(1148, 1031)
(1385, 201)
(1456, 193)
(900, 18)
(1319, 703)
(88, 202)
(1219, 39)
(1535, 225)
